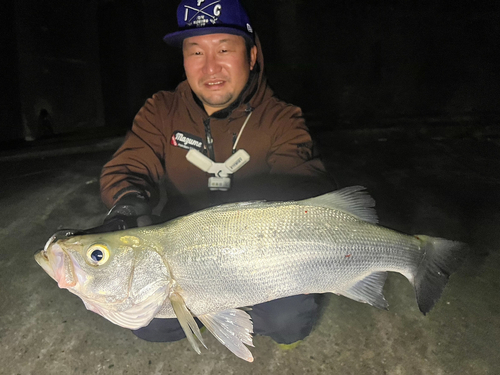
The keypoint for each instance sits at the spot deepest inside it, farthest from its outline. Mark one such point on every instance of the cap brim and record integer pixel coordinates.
(176, 39)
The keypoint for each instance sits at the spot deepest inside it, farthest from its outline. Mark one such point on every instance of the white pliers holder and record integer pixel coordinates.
(221, 171)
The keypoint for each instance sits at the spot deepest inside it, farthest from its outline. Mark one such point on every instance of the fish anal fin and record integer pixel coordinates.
(353, 200)
(233, 328)
(186, 321)
(369, 290)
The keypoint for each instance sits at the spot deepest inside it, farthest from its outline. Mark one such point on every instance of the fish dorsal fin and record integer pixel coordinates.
(369, 290)
(186, 321)
(353, 200)
(233, 328)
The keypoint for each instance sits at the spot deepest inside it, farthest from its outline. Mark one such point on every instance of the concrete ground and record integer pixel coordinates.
(437, 183)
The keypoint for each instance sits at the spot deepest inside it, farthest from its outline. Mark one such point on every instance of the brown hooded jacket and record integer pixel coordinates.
(275, 137)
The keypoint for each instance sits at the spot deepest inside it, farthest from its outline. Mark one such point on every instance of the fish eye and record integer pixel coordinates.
(98, 254)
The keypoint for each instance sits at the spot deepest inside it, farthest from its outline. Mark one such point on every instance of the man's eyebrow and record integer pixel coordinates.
(190, 44)
(221, 41)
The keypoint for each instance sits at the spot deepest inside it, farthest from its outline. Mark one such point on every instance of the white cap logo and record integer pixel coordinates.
(197, 17)
(217, 9)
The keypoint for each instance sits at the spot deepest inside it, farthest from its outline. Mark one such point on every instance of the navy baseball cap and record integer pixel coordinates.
(202, 17)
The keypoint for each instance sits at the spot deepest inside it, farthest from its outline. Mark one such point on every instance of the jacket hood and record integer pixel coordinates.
(257, 89)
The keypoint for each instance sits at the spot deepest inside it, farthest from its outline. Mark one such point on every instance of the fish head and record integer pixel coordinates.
(117, 275)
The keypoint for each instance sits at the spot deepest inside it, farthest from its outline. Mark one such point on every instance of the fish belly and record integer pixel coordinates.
(234, 256)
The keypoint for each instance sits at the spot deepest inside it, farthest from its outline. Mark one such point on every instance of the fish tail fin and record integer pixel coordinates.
(441, 258)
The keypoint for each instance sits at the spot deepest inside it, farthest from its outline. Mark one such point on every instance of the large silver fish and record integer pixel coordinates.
(211, 263)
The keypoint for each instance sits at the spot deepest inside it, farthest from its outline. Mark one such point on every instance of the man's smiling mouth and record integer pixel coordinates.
(215, 83)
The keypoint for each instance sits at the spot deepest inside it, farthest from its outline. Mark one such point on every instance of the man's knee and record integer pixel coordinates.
(286, 320)
(162, 330)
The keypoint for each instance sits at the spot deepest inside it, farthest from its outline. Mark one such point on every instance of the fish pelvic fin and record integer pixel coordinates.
(186, 321)
(369, 290)
(353, 200)
(441, 258)
(233, 328)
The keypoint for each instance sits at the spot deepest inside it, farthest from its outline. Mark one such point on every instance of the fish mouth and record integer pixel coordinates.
(54, 260)
(43, 261)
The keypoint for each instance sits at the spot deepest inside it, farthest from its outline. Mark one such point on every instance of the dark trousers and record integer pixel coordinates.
(285, 320)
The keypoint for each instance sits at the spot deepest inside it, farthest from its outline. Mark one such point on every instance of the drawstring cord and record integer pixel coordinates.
(241, 131)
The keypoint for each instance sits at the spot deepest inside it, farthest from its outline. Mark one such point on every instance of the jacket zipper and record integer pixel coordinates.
(210, 140)
(236, 138)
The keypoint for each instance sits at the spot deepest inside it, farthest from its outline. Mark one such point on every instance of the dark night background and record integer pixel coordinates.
(89, 65)
(401, 96)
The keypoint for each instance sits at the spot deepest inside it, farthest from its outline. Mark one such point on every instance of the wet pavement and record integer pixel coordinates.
(431, 182)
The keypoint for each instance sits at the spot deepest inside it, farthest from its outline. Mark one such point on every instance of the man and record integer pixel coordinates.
(223, 106)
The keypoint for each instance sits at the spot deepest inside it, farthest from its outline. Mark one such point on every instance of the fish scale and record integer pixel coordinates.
(267, 256)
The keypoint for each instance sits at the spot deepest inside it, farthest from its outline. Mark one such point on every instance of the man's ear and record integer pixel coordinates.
(253, 57)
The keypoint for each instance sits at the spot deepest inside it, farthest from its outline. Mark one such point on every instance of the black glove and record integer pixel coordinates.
(132, 210)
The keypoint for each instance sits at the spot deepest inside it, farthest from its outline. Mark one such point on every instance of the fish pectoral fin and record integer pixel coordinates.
(186, 321)
(233, 328)
(369, 290)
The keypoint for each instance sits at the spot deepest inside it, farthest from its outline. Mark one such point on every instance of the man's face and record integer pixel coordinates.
(217, 68)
